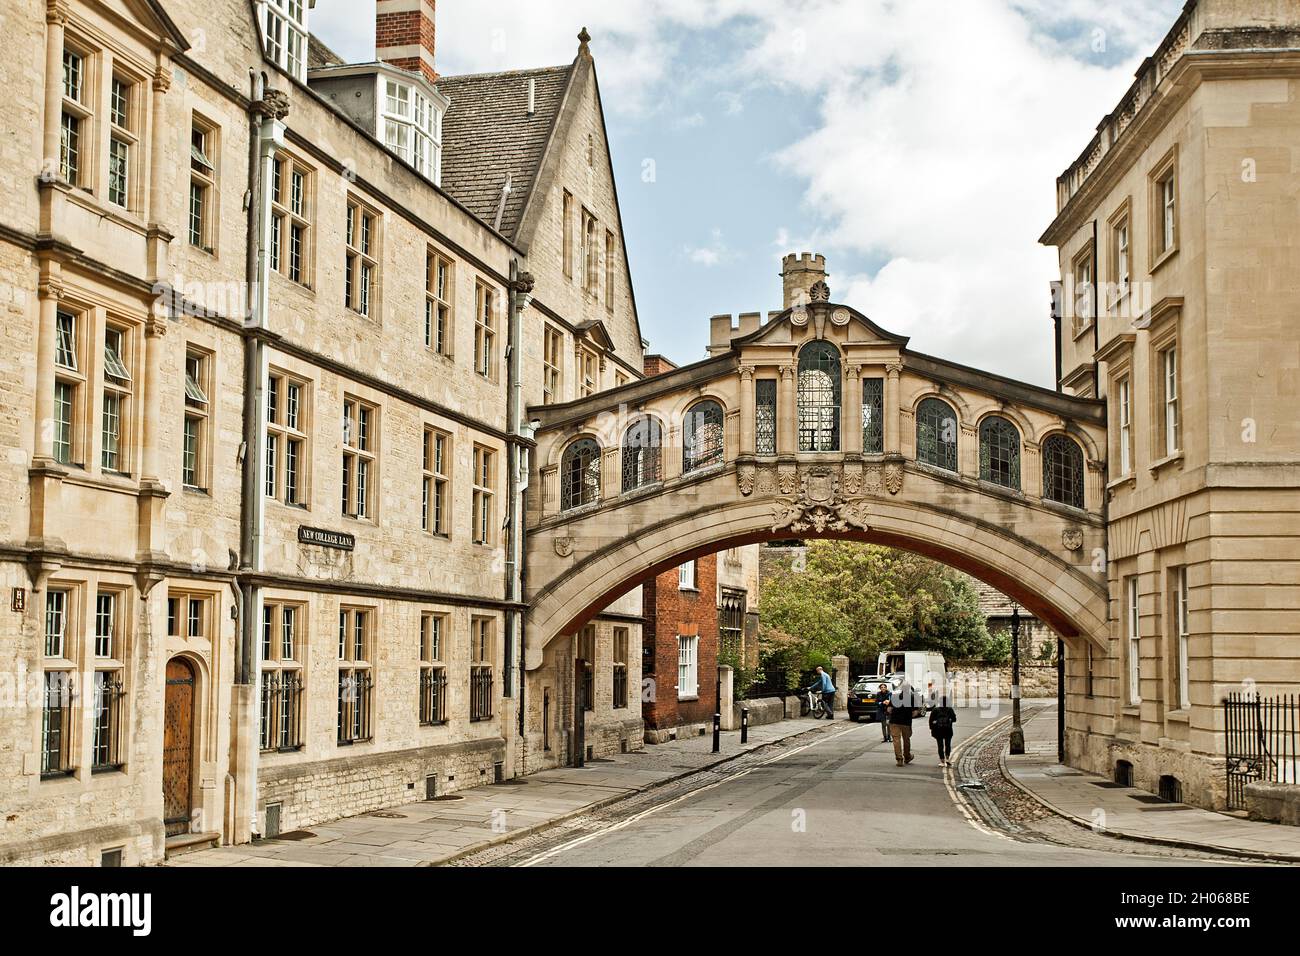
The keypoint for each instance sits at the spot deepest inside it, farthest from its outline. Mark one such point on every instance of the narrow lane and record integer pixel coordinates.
(838, 800)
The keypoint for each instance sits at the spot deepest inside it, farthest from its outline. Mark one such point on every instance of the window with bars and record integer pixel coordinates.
(361, 260)
(76, 119)
(580, 474)
(203, 184)
(936, 434)
(588, 373)
(1063, 471)
(282, 676)
(765, 416)
(703, 441)
(620, 649)
(106, 721)
(69, 378)
(731, 623)
(436, 485)
(291, 220)
(187, 615)
(552, 365)
(819, 397)
(194, 439)
(58, 699)
(115, 413)
(413, 128)
(688, 677)
(999, 452)
(285, 33)
(485, 331)
(1133, 636)
(287, 429)
(482, 652)
(642, 453)
(360, 436)
(873, 416)
(355, 677)
(1171, 424)
(1182, 631)
(587, 654)
(122, 141)
(1125, 414)
(437, 303)
(433, 675)
(483, 495)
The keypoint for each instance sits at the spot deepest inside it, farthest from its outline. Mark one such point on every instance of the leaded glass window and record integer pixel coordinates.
(642, 458)
(702, 437)
(580, 474)
(999, 452)
(819, 397)
(936, 434)
(1063, 471)
(765, 416)
(873, 416)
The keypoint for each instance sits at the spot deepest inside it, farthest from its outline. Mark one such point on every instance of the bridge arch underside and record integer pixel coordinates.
(1067, 597)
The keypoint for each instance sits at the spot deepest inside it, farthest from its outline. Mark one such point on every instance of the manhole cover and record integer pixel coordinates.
(1107, 784)
(388, 815)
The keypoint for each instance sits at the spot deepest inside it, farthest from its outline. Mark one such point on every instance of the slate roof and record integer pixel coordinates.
(318, 54)
(487, 134)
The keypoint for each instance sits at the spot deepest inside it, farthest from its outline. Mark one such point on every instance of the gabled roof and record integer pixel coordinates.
(488, 135)
(596, 331)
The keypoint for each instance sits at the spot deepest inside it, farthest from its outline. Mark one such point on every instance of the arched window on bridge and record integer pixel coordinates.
(641, 453)
(936, 434)
(819, 397)
(580, 474)
(1063, 471)
(1000, 452)
(702, 437)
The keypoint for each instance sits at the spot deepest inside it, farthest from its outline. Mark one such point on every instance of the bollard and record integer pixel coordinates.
(717, 732)
(744, 725)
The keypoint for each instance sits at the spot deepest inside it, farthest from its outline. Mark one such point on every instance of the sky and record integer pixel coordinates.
(914, 143)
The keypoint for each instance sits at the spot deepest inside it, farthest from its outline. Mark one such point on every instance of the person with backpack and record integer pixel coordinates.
(942, 719)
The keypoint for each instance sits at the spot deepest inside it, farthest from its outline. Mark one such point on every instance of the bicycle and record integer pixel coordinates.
(816, 705)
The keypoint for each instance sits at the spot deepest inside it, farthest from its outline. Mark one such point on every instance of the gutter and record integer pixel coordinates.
(266, 134)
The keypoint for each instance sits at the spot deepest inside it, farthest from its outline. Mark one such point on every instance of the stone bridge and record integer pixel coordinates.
(818, 423)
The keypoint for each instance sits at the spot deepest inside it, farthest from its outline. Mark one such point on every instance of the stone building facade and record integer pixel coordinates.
(1178, 251)
(268, 359)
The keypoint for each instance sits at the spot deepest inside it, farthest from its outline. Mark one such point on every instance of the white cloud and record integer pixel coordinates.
(715, 253)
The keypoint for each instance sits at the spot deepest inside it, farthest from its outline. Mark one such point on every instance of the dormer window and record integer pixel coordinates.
(412, 127)
(285, 23)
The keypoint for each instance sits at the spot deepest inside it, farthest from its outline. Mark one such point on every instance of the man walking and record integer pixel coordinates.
(942, 719)
(822, 684)
(882, 711)
(900, 722)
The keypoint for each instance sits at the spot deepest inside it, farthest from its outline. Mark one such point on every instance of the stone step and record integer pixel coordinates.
(183, 843)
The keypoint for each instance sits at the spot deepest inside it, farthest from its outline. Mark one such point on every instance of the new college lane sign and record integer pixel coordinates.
(326, 539)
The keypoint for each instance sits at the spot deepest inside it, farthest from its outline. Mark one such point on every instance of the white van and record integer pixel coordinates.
(926, 671)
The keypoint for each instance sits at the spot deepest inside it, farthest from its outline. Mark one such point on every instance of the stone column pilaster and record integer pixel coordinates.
(851, 425)
(787, 412)
(56, 17)
(747, 448)
(892, 429)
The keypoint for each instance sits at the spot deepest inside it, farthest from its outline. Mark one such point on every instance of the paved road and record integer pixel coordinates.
(838, 799)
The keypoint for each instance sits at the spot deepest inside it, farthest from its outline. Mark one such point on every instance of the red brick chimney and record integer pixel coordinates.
(404, 35)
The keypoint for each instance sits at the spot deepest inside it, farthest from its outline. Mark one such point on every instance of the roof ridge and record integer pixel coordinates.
(500, 73)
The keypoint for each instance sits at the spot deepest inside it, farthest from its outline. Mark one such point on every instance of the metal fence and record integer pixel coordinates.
(1261, 742)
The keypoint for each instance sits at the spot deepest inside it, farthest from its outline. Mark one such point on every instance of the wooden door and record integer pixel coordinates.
(178, 746)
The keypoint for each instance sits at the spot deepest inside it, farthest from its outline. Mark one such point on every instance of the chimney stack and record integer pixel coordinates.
(404, 35)
(799, 273)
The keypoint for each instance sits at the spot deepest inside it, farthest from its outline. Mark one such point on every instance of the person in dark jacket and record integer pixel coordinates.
(882, 711)
(942, 719)
(901, 705)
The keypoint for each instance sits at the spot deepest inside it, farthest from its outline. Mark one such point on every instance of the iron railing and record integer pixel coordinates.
(354, 705)
(106, 741)
(1261, 742)
(281, 697)
(620, 686)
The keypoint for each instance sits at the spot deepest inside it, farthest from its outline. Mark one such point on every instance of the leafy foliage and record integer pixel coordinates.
(859, 599)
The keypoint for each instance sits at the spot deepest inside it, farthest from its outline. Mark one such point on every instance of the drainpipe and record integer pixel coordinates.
(521, 287)
(266, 134)
(1096, 316)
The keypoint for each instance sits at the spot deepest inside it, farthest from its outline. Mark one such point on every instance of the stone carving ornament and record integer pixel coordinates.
(819, 508)
(1072, 539)
(564, 546)
(745, 479)
(893, 479)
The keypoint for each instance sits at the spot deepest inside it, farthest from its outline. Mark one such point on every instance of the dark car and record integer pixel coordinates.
(862, 696)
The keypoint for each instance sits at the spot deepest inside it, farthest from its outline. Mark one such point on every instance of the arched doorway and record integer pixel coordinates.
(178, 746)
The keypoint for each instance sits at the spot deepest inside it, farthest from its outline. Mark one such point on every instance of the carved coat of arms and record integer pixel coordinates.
(819, 508)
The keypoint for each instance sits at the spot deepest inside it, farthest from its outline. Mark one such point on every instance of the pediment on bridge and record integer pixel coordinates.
(820, 320)
(595, 332)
